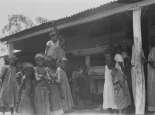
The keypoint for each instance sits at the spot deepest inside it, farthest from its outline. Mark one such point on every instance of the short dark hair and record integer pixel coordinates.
(6, 59)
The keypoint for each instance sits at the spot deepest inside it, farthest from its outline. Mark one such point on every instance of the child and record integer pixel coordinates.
(25, 101)
(66, 90)
(8, 93)
(53, 47)
(74, 86)
(41, 98)
(56, 94)
(108, 93)
(121, 90)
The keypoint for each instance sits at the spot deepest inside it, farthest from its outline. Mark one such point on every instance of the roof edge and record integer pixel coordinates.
(100, 15)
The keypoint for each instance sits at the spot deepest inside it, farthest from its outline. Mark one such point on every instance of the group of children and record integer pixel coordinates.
(44, 89)
(39, 90)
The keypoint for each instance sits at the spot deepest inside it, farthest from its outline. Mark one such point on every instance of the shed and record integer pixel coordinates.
(93, 31)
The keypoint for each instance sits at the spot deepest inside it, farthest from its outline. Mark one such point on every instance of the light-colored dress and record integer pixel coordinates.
(151, 82)
(66, 90)
(25, 105)
(108, 93)
(41, 98)
(8, 93)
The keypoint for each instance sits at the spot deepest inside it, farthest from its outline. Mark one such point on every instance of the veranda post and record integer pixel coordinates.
(139, 79)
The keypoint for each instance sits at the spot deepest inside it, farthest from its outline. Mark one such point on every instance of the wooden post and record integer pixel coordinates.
(138, 79)
(10, 48)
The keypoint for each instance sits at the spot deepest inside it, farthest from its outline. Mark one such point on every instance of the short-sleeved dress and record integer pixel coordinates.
(55, 94)
(68, 100)
(41, 98)
(108, 93)
(8, 93)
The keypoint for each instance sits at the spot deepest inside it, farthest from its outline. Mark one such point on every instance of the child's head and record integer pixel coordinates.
(6, 60)
(40, 59)
(53, 34)
(82, 68)
(109, 60)
(51, 62)
(28, 70)
(10, 60)
(62, 63)
(118, 49)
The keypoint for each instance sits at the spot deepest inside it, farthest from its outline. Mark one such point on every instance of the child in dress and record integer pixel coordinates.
(8, 93)
(26, 92)
(56, 94)
(64, 83)
(121, 90)
(108, 93)
(41, 98)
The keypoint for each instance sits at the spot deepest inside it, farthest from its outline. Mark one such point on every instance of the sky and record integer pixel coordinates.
(49, 9)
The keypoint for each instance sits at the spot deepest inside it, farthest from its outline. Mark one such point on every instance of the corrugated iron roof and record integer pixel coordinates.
(80, 15)
(86, 13)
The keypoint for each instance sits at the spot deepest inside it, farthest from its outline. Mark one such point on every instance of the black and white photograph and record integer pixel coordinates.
(77, 57)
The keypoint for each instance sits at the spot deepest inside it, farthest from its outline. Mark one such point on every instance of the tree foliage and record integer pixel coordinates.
(17, 23)
(3, 49)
